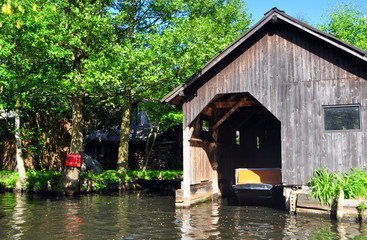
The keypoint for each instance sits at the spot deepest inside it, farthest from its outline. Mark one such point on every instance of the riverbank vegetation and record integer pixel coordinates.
(326, 185)
(72, 67)
(46, 181)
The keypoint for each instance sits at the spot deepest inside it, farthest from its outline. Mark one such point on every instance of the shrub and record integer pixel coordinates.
(46, 180)
(354, 184)
(109, 178)
(362, 206)
(43, 180)
(8, 179)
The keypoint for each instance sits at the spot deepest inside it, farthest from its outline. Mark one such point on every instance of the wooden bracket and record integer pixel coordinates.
(241, 103)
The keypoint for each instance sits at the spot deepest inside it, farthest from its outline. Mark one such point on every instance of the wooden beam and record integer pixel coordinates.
(230, 112)
(230, 104)
(208, 110)
(225, 104)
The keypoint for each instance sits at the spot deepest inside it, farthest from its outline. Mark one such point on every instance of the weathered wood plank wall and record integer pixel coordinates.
(202, 170)
(293, 75)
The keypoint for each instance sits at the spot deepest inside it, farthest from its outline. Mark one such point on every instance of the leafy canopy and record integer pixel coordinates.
(348, 23)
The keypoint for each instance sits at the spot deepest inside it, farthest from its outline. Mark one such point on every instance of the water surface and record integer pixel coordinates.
(147, 216)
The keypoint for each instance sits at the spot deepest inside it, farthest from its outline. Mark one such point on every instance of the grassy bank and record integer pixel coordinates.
(47, 180)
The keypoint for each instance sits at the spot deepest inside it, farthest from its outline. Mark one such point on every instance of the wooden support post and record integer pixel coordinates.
(340, 205)
(292, 202)
(185, 186)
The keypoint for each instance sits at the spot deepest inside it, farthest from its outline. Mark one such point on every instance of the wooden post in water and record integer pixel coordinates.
(339, 205)
(185, 186)
(292, 202)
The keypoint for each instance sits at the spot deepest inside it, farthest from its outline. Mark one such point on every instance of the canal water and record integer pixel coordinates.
(147, 216)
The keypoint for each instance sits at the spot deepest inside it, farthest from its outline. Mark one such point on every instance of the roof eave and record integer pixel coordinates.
(272, 15)
(176, 92)
(170, 97)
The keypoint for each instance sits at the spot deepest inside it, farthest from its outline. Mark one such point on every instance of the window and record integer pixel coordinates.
(338, 118)
(205, 125)
(205, 129)
(238, 138)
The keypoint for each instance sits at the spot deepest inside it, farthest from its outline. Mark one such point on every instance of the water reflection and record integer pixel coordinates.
(73, 221)
(144, 216)
(198, 222)
(18, 217)
(218, 221)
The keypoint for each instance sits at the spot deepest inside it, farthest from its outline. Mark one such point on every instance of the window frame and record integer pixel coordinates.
(324, 107)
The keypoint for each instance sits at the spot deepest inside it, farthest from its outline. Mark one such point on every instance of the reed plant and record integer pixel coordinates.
(325, 185)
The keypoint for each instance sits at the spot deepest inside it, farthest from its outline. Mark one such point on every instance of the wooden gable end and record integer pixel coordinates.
(274, 61)
(294, 75)
(263, 100)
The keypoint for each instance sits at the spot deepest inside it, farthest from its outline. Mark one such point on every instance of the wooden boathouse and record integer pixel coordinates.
(284, 95)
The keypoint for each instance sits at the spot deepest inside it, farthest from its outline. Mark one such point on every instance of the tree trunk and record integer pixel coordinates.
(149, 146)
(123, 153)
(70, 176)
(19, 159)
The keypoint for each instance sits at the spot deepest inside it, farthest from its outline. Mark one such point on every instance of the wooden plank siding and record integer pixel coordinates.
(293, 75)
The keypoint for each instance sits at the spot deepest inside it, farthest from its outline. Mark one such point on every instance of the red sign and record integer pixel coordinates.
(73, 160)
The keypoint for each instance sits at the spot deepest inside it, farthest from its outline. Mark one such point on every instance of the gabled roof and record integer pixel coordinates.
(176, 96)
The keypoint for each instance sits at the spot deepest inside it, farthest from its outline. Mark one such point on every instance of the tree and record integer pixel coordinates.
(46, 48)
(348, 23)
(68, 52)
(163, 42)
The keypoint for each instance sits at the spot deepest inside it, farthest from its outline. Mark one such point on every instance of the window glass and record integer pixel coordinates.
(342, 118)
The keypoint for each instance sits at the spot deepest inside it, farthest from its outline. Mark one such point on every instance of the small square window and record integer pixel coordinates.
(205, 125)
(205, 129)
(238, 137)
(338, 118)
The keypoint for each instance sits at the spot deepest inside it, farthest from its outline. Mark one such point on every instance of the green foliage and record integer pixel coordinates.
(109, 178)
(8, 179)
(47, 180)
(52, 52)
(102, 180)
(44, 51)
(44, 180)
(348, 23)
(362, 206)
(165, 115)
(325, 185)
(155, 174)
(354, 184)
